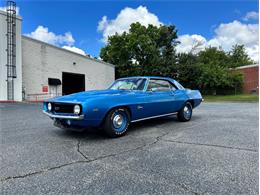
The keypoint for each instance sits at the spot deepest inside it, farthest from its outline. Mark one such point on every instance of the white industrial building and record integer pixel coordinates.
(38, 70)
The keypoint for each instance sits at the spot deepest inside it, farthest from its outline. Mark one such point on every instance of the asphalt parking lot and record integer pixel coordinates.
(215, 153)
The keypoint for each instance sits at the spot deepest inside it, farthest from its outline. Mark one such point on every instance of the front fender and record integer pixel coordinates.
(96, 110)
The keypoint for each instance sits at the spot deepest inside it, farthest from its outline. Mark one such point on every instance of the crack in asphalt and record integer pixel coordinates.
(39, 172)
(87, 160)
(158, 138)
(81, 153)
(211, 145)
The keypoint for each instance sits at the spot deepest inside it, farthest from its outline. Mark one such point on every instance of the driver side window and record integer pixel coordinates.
(158, 85)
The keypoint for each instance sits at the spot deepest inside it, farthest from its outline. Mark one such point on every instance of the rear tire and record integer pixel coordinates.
(116, 122)
(185, 113)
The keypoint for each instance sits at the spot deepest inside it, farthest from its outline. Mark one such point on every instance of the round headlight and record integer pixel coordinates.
(49, 106)
(76, 109)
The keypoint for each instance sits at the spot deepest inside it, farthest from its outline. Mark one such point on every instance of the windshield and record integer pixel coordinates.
(129, 84)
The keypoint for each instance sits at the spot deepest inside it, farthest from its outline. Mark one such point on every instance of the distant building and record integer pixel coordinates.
(34, 70)
(251, 78)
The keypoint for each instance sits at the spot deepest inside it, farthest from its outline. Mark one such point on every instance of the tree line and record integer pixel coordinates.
(151, 50)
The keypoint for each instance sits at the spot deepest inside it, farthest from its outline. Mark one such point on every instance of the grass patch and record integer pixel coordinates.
(232, 98)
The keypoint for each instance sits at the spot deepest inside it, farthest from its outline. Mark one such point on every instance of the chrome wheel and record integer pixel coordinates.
(187, 112)
(117, 120)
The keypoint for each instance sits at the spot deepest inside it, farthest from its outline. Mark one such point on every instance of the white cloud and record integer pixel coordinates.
(43, 34)
(74, 49)
(253, 52)
(236, 33)
(124, 19)
(17, 9)
(102, 24)
(226, 35)
(251, 16)
(66, 41)
(189, 43)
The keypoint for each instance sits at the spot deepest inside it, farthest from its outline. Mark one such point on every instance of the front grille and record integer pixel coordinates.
(63, 108)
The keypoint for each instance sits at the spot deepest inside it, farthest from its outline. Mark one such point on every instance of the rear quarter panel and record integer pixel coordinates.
(194, 95)
(180, 97)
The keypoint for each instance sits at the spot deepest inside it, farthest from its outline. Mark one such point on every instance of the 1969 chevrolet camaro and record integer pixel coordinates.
(126, 101)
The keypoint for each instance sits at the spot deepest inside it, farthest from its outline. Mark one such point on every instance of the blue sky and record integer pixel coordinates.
(81, 18)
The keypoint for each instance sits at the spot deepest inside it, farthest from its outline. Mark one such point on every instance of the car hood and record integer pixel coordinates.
(86, 95)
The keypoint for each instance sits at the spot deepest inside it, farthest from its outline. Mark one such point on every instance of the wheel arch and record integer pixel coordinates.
(191, 102)
(114, 107)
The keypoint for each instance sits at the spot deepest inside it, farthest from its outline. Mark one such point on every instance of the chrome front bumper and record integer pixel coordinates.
(80, 117)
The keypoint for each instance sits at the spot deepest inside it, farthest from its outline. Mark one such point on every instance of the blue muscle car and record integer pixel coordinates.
(126, 101)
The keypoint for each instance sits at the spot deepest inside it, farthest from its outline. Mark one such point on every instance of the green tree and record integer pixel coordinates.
(142, 51)
(214, 57)
(151, 51)
(208, 71)
(239, 57)
(188, 70)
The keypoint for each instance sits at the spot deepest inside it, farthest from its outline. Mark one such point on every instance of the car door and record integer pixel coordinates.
(159, 98)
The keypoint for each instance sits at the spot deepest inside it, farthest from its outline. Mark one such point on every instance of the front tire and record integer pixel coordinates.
(116, 122)
(185, 113)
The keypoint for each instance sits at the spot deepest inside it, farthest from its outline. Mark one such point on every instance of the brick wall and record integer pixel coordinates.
(251, 78)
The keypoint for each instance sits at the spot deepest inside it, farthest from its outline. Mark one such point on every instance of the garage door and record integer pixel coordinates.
(72, 83)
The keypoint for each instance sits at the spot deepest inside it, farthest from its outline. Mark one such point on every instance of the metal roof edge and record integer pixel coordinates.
(247, 66)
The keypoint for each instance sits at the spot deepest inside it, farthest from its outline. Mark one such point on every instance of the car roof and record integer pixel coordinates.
(148, 77)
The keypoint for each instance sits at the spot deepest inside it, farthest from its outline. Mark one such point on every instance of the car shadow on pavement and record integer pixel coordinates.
(98, 133)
